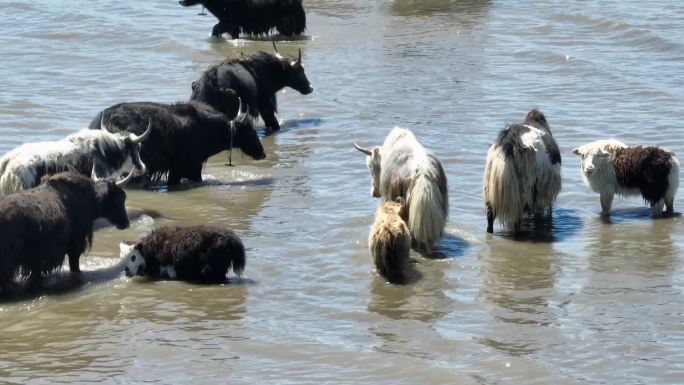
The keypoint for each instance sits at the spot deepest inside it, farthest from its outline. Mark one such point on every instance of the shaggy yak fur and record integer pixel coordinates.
(39, 226)
(196, 253)
(254, 17)
(522, 173)
(610, 167)
(107, 155)
(255, 79)
(184, 136)
(402, 167)
(389, 241)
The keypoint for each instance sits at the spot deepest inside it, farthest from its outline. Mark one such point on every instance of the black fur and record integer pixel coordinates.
(254, 17)
(646, 168)
(255, 79)
(197, 253)
(39, 226)
(510, 138)
(184, 136)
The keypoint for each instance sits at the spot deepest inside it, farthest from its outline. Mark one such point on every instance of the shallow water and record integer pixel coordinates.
(589, 301)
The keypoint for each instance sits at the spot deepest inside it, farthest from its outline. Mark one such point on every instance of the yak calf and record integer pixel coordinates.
(389, 241)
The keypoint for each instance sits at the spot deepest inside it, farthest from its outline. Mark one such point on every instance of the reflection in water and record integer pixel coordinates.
(430, 7)
(563, 224)
(519, 279)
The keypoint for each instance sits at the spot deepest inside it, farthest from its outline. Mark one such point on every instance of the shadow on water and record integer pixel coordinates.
(290, 125)
(562, 224)
(63, 282)
(450, 246)
(632, 214)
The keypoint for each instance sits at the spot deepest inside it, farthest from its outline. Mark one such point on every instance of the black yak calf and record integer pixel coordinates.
(255, 79)
(254, 17)
(183, 137)
(194, 253)
(39, 226)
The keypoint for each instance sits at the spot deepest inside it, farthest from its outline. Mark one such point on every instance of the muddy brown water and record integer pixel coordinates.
(585, 302)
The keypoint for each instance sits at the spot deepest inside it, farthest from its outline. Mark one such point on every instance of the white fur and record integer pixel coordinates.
(18, 168)
(509, 183)
(135, 261)
(598, 173)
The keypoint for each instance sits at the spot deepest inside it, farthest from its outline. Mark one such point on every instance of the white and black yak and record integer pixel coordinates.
(254, 17)
(610, 167)
(402, 167)
(183, 137)
(41, 225)
(522, 175)
(389, 241)
(193, 253)
(106, 154)
(256, 79)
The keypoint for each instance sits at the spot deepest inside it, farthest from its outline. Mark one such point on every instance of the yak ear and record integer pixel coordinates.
(576, 151)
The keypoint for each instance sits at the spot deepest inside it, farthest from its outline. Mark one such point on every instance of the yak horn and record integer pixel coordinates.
(139, 139)
(277, 54)
(93, 174)
(299, 58)
(365, 151)
(127, 179)
(238, 117)
(102, 124)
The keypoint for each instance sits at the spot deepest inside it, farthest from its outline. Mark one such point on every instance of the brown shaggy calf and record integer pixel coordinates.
(389, 241)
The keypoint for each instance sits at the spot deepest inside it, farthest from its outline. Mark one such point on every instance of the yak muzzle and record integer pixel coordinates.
(128, 272)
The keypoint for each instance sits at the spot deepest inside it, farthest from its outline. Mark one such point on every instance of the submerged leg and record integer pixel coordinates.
(490, 219)
(606, 203)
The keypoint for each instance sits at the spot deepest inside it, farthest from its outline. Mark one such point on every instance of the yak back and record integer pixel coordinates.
(510, 141)
(646, 168)
(259, 17)
(189, 248)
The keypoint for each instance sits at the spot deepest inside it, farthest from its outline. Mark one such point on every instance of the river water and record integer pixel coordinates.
(588, 302)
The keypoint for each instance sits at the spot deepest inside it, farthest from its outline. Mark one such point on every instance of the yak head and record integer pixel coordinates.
(112, 200)
(118, 156)
(295, 77)
(133, 258)
(597, 155)
(373, 162)
(244, 136)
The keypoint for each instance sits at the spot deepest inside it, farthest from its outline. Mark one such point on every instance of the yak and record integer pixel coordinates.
(184, 135)
(109, 155)
(611, 167)
(255, 79)
(402, 167)
(254, 17)
(41, 225)
(389, 241)
(194, 253)
(522, 173)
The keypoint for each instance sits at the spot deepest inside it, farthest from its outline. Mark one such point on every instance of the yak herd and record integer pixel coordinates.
(52, 192)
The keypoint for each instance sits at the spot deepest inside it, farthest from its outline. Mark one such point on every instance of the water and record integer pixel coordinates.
(588, 302)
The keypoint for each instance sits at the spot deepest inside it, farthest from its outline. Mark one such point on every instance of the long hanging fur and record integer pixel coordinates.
(389, 242)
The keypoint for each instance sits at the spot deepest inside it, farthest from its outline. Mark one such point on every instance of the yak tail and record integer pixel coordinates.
(426, 213)
(10, 183)
(507, 192)
(237, 256)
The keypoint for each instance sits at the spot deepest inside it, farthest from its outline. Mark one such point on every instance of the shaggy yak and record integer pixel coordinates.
(389, 241)
(254, 17)
(107, 155)
(255, 79)
(522, 174)
(402, 167)
(194, 253)
(610, 167)
(183, 137)
(39, 226)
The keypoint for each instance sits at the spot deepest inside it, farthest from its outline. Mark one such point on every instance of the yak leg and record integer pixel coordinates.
(490, 219)
(658, 208)
(606, 203)
(73, 261)
(268, 115)
(669, 206)
(174, 177)
(195, 173)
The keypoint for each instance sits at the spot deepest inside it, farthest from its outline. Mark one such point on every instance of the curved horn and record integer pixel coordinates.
(93, 174)
(139, 139)
(240, 117)
(102, 125)
(365, 151)
(127, 179)
(299, 58)
(275, 50)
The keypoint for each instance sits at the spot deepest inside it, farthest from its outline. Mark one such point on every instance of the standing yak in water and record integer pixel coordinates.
(183, 137)
(402, 167)
(254, 17)
(255, 79)
(522, 174)
(39, 226)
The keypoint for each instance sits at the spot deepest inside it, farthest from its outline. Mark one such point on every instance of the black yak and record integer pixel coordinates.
(255, 79)
(254, 17)
(39, 226)
(402, 167)
(184, 136)
(389, 241)
(610, 167)
(108, 155)
(194, 253)
(522, 173)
